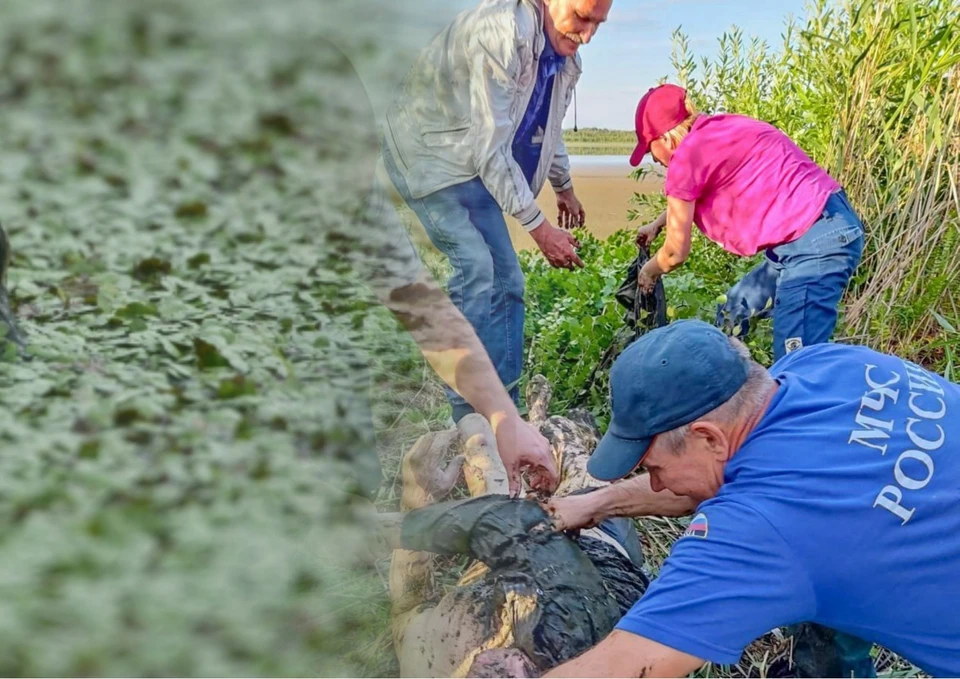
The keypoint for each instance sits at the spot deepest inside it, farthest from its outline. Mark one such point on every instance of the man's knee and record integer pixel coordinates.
(513, 281)
(477, 271)
(472, 282)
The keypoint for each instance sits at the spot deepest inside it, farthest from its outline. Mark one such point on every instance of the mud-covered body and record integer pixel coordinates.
(544, 593)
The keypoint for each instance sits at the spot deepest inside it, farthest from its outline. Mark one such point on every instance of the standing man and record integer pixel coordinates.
(828, 491)
(360, 227)
(474, 132)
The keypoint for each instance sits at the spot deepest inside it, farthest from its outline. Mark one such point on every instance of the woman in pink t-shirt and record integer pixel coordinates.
(748, 187)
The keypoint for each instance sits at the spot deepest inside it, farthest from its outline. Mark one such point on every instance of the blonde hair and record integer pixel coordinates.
(676, 135)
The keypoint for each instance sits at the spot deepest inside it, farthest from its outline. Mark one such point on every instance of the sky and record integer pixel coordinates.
(631, 51)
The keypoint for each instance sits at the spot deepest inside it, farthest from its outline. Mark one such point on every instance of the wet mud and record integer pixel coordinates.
(561, 595)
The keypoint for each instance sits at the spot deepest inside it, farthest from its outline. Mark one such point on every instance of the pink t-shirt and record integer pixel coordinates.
(753, 187)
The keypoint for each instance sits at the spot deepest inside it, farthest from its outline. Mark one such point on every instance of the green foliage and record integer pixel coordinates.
(176, 450)
(573, 318)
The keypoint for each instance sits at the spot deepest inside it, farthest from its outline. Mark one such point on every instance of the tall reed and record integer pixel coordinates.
(871, 90)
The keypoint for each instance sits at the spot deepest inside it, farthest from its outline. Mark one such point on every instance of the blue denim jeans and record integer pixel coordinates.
(466, 224)
(800, 283)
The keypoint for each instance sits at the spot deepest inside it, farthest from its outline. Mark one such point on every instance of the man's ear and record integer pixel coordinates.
(714, 437)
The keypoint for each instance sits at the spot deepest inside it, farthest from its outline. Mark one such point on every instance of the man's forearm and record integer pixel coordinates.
(634, 498)
(452, 347)
(623, 654)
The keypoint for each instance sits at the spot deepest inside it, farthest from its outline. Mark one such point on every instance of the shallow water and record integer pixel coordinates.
(613, 165)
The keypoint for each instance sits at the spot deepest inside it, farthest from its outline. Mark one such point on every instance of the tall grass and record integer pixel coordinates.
(871, 91)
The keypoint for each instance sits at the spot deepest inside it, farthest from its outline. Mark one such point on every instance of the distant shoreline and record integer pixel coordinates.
(598, 149)
(592, 141)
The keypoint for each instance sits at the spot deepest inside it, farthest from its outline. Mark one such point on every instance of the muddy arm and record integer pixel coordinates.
(482, 468)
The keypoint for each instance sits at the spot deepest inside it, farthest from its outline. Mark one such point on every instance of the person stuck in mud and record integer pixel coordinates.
(827, 491)
(748, 187)
(533, 597)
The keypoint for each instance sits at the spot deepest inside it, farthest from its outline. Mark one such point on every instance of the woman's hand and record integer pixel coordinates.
(648, 277)
(647, 234)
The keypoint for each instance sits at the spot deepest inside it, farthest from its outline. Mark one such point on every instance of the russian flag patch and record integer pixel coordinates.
(698, 528)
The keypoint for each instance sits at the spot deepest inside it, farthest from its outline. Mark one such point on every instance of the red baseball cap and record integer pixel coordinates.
(661, 109)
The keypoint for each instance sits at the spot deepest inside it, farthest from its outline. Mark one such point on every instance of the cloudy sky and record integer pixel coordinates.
(625, 58)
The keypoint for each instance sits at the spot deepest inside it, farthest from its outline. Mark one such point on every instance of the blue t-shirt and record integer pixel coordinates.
(528, 142)
(842, 508)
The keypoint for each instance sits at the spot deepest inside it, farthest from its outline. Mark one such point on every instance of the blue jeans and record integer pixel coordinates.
(466, 224)
(800, 283)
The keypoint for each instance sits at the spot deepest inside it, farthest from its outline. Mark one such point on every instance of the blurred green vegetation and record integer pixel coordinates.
(178, 450)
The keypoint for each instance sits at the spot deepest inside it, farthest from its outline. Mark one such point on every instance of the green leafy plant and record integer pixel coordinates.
(573, 318)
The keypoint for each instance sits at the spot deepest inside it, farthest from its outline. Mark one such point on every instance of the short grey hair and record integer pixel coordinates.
(750, 397)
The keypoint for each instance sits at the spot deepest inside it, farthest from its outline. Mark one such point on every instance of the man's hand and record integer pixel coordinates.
(647, 277)
(574, 512)
(570, 210)
(623, 654)
(647, 234)
(558, 246)
(521, 447)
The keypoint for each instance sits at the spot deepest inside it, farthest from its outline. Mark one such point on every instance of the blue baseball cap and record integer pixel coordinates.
(664, 380)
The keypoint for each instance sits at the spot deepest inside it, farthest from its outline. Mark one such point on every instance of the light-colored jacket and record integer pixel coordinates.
(457, 112)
